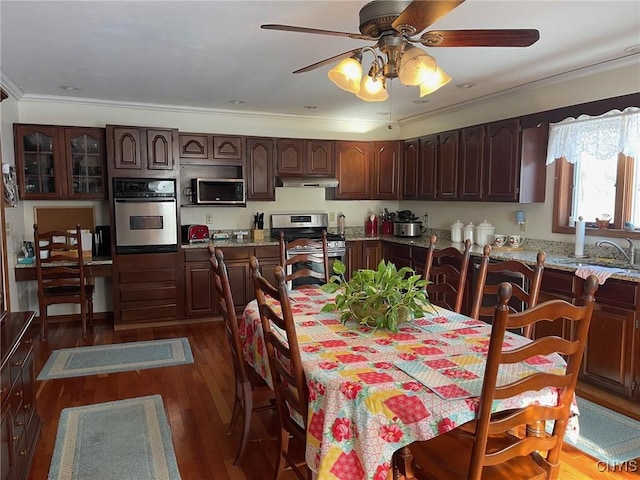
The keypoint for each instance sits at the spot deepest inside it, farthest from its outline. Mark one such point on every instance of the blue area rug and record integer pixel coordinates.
(119, 357)
(605, 434)
(122, 440)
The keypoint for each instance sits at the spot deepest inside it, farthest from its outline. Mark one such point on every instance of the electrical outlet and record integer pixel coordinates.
(523, 226)
(332, 216)
(208, 218)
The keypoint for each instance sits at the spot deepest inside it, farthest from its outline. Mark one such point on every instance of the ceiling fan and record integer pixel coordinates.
(393, 26)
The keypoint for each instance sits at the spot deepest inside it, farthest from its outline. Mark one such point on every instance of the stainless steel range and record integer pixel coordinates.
(308, 225)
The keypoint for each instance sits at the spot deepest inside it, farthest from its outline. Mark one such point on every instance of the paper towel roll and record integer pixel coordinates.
(579, 248)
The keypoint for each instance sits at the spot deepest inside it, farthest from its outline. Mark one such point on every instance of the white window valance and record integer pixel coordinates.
(602, 137)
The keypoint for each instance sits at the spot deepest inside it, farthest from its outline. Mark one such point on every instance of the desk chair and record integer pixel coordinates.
(446, 269)
(489, 449)
(525, 282)
(60, 273)
(286, 372)
(299, 267)
(250, 388)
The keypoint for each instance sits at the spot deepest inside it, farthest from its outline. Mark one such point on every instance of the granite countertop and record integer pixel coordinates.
(558, 253)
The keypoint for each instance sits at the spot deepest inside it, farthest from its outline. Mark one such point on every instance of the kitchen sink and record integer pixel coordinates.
(619, 265)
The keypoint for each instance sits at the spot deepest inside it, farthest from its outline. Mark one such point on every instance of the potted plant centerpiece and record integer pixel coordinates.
(381, 298)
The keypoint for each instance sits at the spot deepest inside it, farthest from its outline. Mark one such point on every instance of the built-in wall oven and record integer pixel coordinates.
(145, 215)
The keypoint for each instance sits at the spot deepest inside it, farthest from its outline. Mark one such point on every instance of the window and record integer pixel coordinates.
(596, 174)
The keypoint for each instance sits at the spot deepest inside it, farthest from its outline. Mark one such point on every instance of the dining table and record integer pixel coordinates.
(373, 391)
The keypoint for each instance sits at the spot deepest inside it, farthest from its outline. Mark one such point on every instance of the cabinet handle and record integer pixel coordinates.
(28, 341)
(15, 438)
(22, 453)
(19, 394)
(26, 406)
(4, 390)
(17, 364)
(19, 423)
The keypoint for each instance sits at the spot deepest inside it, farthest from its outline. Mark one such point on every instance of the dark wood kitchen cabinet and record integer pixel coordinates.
(147, 288)
(213, 148)
(60, 163)
(297, 157)
(514, 164)
(447, 166)
(610, 358)
(142, 151)
(199, 301)
(260, 163)
(470, 163)
(410, 170)
(353, 167)
(20, 423)
(362, 254)
(386, 170)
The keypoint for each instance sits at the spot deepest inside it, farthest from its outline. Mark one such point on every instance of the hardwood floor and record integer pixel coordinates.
(198, 400)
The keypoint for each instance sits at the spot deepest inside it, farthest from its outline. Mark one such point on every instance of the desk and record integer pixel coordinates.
(362, 405)
(98, 267)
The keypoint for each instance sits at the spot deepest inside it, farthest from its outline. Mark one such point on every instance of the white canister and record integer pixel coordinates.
(484, 233)
(456, 231)
(468, 232)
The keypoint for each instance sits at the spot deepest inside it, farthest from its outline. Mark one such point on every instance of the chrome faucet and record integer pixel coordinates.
(630, 257)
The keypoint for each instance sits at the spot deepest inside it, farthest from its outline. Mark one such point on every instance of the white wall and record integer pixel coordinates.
(565, 90)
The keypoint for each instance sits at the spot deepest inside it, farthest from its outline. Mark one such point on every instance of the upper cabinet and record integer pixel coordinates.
(260, 169)
(58, 163)
(210, 148)
(497, 162)
(140, 151)
(368, 171)
(410, 176)
(387, 169)
(353, 161)
(305, 157)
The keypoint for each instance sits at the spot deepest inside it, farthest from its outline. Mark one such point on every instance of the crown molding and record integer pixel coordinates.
(627, 60)
(10, 87)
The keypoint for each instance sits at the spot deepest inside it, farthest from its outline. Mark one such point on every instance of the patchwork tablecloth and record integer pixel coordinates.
(372, 392)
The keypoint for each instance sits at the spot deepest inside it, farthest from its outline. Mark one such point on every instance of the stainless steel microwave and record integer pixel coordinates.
(218, 191)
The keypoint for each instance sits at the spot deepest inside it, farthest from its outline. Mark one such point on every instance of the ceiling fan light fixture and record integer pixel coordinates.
(347, 74)
(416, 66)
(372, 88)
(433, 82)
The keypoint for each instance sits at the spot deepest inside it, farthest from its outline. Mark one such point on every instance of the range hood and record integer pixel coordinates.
(319, 182)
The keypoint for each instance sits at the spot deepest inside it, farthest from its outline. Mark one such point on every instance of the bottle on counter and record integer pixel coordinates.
(342, 224)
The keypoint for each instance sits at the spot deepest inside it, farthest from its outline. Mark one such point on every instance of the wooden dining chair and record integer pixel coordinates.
(252, 394)
(286, 372)
(61, 275)
(515, 445)
(299, 267)
(525, 280)
(446, 269)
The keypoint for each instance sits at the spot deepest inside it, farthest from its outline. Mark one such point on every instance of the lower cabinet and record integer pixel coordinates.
(146, 288)
(199, 301)
(20, 424)
(362, 254)
(610, 356)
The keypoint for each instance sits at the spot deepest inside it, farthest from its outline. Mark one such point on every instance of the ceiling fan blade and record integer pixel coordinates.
(308, 68)
(292, 28)
(480, 38)
(422, 13)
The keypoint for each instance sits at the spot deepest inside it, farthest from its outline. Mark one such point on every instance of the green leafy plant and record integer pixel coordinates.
(380, 298)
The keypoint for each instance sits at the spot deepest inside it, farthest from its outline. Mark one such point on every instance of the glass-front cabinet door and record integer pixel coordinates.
(57, 162)
(85, 160)
(40, 176)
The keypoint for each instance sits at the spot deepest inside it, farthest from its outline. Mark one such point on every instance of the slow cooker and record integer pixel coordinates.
(407, 229)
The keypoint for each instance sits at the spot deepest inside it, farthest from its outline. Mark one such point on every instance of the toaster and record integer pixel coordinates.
(195, 233)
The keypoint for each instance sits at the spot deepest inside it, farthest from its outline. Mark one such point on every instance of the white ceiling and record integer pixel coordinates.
(203, 54)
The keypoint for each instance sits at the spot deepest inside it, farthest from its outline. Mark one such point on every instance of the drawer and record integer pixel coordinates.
(196, 255)
(236, 253)
(267, 251)
(556, 281)
(401, 251)
(618, 293)
(19, 358)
